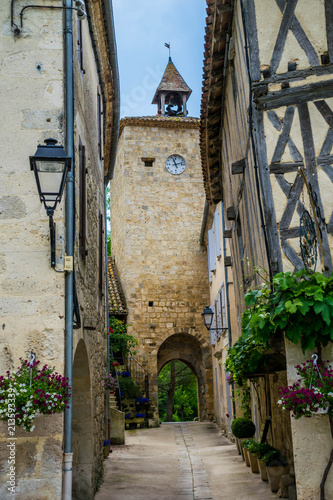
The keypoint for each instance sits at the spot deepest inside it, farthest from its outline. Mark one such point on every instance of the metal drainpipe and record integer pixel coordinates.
(228, 301)
(69, 223)
(107, 313)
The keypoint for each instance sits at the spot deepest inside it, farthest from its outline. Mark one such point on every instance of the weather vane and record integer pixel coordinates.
(167, 45)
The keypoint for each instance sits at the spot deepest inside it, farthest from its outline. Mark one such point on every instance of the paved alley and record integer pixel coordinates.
(179, 461)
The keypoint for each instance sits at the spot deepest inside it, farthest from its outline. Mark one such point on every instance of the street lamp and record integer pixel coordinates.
(50, 165)
(207, 316)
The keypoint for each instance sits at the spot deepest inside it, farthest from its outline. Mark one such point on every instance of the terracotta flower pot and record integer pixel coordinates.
(253, 463)
(274, 475)
(262, 470)
(246, 457)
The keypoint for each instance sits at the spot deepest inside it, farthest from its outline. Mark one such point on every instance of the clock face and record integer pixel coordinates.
(175, 164)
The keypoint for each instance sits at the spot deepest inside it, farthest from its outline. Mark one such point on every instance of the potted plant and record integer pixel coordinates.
(252, 449)
(261, 450)
(30, 391)
(277, 466)
(242, 428)
(244, 444)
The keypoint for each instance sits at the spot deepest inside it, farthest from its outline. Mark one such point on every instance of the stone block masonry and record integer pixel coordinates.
(155, 229)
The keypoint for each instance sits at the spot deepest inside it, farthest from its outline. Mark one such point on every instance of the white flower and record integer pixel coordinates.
(280, 402)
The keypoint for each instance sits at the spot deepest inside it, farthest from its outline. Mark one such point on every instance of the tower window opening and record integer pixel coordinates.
(150, 303)
(148, 162)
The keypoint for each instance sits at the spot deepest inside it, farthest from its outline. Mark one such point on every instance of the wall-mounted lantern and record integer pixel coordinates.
(207, 316)
(50, 165)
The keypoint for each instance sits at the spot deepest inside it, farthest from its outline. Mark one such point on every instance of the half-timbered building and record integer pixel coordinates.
(266, 144)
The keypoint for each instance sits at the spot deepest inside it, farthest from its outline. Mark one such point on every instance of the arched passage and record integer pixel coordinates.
(82, 426)
(189, 350)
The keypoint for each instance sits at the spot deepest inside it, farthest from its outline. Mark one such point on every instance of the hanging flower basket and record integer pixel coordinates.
(30, 391)
(312, 394)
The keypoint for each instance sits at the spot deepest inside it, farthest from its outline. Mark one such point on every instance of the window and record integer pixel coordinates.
(82, 201)
(148, 162)
(80, 44)
(99, 126)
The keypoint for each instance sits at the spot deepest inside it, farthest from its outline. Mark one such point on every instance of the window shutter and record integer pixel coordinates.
(222, 301)
(83, 201)
(217, 233)
(211, 248)
(80, 44)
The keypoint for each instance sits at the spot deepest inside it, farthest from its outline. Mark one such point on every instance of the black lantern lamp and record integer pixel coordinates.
(50, 165)
(207, 317)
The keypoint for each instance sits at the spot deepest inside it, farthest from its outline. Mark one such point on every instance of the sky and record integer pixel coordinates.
(142, 28)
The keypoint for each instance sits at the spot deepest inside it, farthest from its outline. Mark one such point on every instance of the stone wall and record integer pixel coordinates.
(155, 228)
(31, 293)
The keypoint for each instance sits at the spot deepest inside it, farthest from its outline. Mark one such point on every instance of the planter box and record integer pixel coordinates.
(274, 475)
(253, 463)
(246, 457)
(262, 470)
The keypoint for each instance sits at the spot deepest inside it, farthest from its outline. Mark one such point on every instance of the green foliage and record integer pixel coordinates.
(130, 389)
(262, 449)
(247, 442)
(120, 341)
(244, 357)
(300, 305)
(185, 406)
(274, 458)
(243, 428)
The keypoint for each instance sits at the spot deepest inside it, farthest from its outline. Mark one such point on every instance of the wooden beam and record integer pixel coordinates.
(227, 261)
(231, 214)
(283, 168)
(299, 74)
(295, 95)
(238, 167)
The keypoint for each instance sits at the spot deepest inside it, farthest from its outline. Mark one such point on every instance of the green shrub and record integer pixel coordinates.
(243, 428)
(262, 449)
(247, 442)
(274, 458)
(253, 447)
(130, 389)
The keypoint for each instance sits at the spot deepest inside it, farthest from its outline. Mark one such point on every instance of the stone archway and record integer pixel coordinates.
(82, 426)
(189, 350)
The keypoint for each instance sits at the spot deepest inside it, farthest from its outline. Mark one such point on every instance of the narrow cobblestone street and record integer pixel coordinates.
(179, 461)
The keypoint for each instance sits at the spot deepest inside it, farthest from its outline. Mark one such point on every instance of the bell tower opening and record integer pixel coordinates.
(172, 93)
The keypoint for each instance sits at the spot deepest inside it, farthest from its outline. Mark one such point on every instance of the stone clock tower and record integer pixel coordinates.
(157, 203)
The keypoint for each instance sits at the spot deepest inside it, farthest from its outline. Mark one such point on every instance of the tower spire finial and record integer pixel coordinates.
(167, 45)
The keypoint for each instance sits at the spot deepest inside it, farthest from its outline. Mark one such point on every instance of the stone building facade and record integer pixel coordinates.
(32, 294)
(266, 112)
(155, 227)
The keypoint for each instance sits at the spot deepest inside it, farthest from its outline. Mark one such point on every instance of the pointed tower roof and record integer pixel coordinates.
(172, 81)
